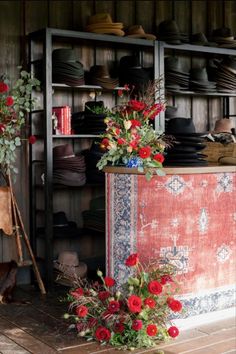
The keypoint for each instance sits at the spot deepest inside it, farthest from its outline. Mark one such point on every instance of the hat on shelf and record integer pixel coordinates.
(224, 125)
(64, 158)
(200, 39)
(69, 268)
(137, 31)
(199, 80)
(169, 32)
(226, 75)
(99, 75)
(102, 23)
(223, 37)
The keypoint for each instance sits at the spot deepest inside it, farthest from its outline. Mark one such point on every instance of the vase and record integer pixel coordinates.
(134, 162)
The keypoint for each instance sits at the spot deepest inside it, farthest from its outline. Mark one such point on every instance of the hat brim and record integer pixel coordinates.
(144, 36)
(117, 25)
(108, 30)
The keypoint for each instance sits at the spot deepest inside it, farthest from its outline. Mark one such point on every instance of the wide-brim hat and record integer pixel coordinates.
(69, 178)
(64, 155)
(137, 31)
(99, 75)
(69, 266)
(102, 23)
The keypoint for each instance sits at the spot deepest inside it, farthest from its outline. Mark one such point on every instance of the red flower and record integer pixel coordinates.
(9, 101)
(32, 139)
(134, 303)
(102, 334)
(132, 260)
(81, 311)
(145, 152)
(119, 327)
(150, 302)
(120, 93)
(103, 295)
(137, 325)
(154, 287)
(136, 105)
(159, 158)
(166, 279)
(104, 143)
(151, 330)
(92, 322)
(121, 141)
(174, 305)
(109, 281)
(135, 123)
(173, 331)
(113, 306)
(2, 128)
(77, 293)
(3, 87)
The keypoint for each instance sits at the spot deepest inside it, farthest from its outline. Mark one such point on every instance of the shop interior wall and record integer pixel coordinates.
(18, 18)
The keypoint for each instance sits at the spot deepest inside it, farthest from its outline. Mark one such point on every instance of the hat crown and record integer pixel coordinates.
(63, 55)
(223, 125)
(180, 126)
(62, 152)
(100, 71)
(68, 258)
(100, 18)
(168, 26)
(198, 74)
(60, 219)
(173, 63)
(199, 38)
(222, 32)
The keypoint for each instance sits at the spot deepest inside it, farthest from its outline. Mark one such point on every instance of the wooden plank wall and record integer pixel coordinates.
(18, 18)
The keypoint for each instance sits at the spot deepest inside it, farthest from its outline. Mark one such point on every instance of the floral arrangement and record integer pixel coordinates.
(136, 316)
(130, 137)
(14, 105)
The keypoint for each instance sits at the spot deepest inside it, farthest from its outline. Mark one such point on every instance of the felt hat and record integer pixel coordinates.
(64, 157)
(137, 31)
(99, 75)
(223, 125)
(69, 178)
(69, 267)
(102, 23)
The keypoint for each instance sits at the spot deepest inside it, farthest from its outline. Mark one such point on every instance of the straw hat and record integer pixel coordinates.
(102, 23)
(223, 125)
(137, 31)
(68, 264)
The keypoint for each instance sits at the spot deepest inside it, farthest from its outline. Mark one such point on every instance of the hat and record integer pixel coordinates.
(180, 126)
(68, 263)
(64, 157)
(69, 178)
(168, 31)
(137, 31)
(99, 75)
(227, 160)
(102, 23)
(223, 125)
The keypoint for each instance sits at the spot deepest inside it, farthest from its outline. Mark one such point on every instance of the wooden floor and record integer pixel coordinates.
(38, 328)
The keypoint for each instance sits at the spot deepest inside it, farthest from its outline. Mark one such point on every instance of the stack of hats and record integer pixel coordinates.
(66, 68)
(94, 218)
(226, 75)
(175, 77)
(68, 168)
(168, 31)
(132, 73)
(199, 81)
(188, 145)
(92, 156)
(200, 39)
(223, 37)
(62, 228)
(137, 31)
(170, 112)
(102, 23)
(68, 269)
(99, 75)
(88, 121)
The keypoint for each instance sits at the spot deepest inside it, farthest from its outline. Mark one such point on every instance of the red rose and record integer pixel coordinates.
(104, 143)
(103, 295)
(77, 293)
(135, 123)
(145, 152)
(3, 87)
(151, 330)
(174, 305)
(150, 302)
(102, 334)
(132, 260)
(154, 287)
(121, 141)
(109, 281)
(173, 331)
(166, 279)
(113, 306)
(9, 101)
(159, 158)
(136, 105)
(119, 327)
(134, 303)
(2, 128)
(81, 311)
(32, 139)
(137, 325)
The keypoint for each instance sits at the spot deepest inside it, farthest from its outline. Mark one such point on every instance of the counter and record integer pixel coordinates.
(187, 218)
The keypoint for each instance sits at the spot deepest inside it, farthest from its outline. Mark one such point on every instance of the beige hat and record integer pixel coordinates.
(102, 23)
(227, 160)
(223, 125)
(69, 266)
(137, 31)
